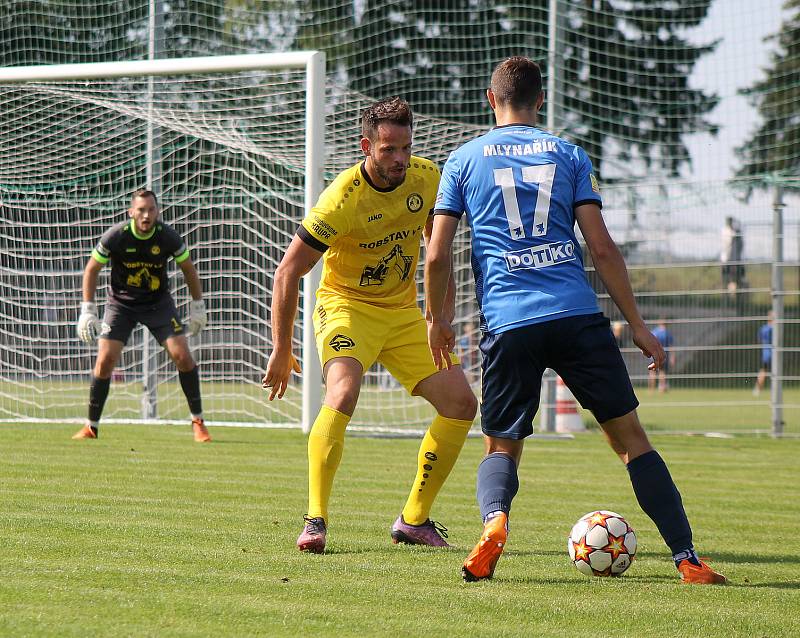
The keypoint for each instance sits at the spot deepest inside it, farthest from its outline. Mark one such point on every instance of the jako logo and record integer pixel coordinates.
(375, 217)
(341, 342)
(541, 256)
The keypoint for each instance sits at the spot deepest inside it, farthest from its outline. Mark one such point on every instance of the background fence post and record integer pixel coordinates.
(776, 385)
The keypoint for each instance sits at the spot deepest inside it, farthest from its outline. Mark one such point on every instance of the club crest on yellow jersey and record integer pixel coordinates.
(414, 202)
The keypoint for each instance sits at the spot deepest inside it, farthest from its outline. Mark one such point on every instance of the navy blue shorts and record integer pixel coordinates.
(581, 349)
(161, 319)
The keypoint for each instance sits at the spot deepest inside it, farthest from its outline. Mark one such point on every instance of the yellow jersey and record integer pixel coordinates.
(371, 237)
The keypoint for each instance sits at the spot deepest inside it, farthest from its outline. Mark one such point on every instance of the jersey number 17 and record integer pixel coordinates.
(542, 175)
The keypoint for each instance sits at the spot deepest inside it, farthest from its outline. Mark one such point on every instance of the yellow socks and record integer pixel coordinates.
(437, 456)
(325, 443)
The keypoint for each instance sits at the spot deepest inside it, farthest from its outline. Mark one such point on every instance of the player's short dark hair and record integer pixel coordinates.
(394, 110)
(517, 82)
(143, 192)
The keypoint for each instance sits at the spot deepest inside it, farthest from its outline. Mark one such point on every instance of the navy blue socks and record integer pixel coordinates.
(497, 484)
(661, 501)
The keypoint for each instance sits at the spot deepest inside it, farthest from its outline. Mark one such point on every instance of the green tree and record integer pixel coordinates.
(436, 55)
(329, 26)
(258, 26)
(774, 149)
(624, 76)
(194, 28)
(36, 32)
(623, 67)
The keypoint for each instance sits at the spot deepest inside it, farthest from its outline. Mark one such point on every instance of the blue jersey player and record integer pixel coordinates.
(664, 336)
(765, 339)
(523, 189)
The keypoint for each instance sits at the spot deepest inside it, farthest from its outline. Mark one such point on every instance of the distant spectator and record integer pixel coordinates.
(731, 256)
(765, 339)
(664, 337)
(617, 328)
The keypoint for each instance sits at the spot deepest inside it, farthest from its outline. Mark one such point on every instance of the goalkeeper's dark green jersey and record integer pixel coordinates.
(139, 262)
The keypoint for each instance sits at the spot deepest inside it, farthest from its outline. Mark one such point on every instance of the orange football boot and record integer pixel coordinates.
(201, 434)
(86, 432)
(702, 575)
(483, 558)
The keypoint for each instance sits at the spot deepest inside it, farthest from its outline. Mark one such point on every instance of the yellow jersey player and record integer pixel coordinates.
(368, 225)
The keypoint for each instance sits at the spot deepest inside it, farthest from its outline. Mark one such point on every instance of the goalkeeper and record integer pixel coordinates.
(139, 249)
(368, 225)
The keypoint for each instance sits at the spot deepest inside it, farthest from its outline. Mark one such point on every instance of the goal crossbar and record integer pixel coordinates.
(311, 60)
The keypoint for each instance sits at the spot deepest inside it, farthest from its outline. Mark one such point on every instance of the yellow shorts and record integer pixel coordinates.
(397, 338)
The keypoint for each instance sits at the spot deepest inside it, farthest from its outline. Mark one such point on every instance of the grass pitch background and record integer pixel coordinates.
(733, 410)
(145, 533)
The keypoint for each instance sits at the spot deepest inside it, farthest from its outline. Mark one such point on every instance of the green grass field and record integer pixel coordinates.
(679, 410)
(145, 533)
(715, 410)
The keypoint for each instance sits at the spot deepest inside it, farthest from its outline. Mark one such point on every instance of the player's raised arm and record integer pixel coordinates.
(438, 280)
(298, 260)
(611, 267)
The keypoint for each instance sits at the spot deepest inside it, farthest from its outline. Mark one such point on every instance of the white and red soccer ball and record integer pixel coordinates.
(602, 543)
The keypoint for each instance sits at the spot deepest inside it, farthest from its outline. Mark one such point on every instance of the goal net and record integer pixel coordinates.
(687, 118)
(225, 144)
(227, 153)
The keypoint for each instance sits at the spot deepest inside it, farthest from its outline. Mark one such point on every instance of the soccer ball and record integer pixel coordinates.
(601, 543)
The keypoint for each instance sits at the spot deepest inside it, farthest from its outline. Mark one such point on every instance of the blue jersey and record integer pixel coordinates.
(663, 335)
(765, 337)
(519, 187)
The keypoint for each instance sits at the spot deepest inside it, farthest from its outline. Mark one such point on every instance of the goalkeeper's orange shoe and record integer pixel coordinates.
(483, 558)
(201, 434)
(699, 575)
(86, 432)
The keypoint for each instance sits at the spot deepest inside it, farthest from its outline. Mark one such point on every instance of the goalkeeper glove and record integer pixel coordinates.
(197, 317)
(88, 323)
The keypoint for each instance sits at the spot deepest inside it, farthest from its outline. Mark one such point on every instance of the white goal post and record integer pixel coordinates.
(22, 395)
